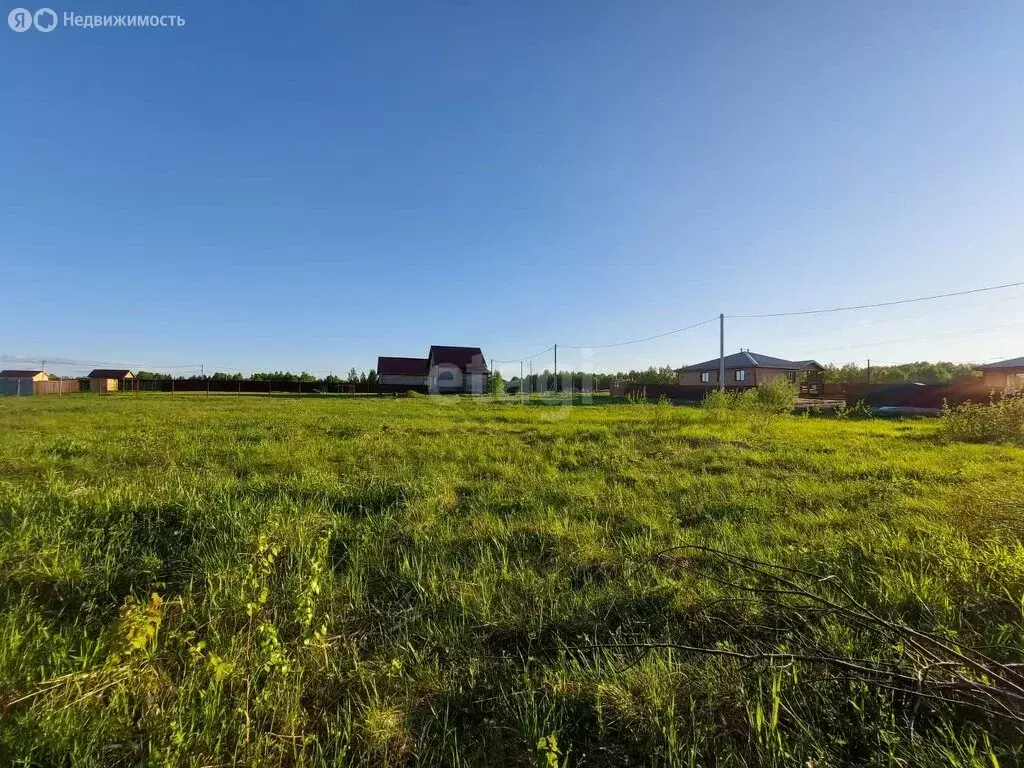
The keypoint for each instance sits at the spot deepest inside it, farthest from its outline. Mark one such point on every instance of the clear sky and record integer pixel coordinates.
(310, 185)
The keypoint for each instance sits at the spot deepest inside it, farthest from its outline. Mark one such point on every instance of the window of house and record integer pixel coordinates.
(791, 375)
(446, 376)
(705, 377)
(741, 375)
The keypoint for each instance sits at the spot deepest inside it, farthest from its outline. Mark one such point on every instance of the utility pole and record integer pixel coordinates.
(869, 370)
(721, 352)
(556, 367)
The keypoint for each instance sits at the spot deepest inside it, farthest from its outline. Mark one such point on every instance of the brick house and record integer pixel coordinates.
(1007, 374)
(746, 369)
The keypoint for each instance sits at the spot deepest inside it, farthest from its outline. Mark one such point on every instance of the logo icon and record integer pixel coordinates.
(20, 19)
(45, 19)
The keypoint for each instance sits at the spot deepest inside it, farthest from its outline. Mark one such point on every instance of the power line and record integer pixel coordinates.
(637, 341)
(877, 304)
(524, 359)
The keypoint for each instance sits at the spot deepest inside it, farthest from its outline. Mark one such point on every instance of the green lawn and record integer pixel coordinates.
(212, 581)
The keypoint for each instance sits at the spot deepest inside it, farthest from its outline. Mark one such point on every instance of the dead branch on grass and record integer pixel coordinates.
(925, 665)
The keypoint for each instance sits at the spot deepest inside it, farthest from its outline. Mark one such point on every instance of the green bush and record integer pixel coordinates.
(775, 396)
(1000, 420)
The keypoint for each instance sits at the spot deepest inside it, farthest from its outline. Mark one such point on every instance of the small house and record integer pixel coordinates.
(445, 370)
(110, 379)
(30, 375)
(1006, 374)
(18, 382)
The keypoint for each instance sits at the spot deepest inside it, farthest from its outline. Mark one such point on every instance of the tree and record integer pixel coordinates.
(353, 376)
(497, 384)
(372, 378)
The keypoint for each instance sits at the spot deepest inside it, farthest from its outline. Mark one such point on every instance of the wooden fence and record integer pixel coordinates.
(66, 387)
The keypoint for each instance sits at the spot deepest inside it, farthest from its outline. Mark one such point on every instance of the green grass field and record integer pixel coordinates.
(212, 581)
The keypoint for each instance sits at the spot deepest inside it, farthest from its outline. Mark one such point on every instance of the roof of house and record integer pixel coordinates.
(402, 366)
(747, 359)
(11, 373)
(804, 364)
(1016, 362)
(466, 359)
(109, 373)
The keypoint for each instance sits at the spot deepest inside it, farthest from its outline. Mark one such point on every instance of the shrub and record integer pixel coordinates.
(1001, 420)
(859, 410)
(775, 396)
(719, 402)
(637, 397)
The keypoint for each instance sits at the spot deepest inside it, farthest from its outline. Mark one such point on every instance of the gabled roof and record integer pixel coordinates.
(11, 373)
(1016, 362)
(109, 373)
(466, 359)
(747, 359)
(402, 366)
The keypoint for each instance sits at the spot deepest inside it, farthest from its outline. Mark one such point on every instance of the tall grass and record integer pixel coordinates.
(218, 581)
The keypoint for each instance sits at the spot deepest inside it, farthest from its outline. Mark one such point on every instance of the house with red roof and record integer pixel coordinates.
(445, 370)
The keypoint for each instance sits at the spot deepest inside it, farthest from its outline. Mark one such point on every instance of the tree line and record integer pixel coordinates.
(922, 372)
(912, 373)
(353, 377)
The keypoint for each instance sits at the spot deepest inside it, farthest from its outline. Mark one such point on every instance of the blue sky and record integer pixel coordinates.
(307, 186)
